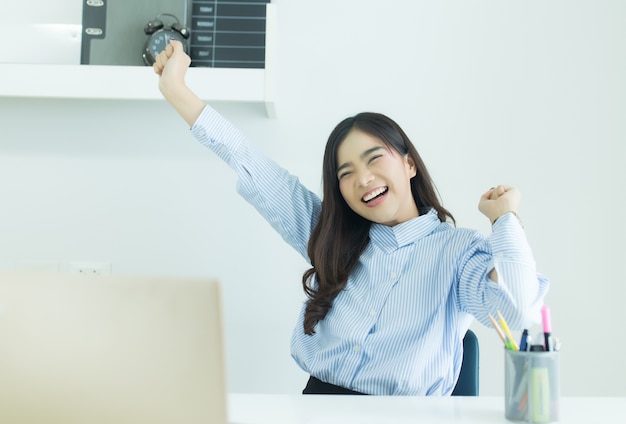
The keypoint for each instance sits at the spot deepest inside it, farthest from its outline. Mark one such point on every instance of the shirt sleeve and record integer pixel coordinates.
(520, 290)
(290, 208)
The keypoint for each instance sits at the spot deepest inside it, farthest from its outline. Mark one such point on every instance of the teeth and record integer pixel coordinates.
(374, 193)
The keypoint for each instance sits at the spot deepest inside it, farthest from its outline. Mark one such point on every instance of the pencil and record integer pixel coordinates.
(507, 332)
(498, 330)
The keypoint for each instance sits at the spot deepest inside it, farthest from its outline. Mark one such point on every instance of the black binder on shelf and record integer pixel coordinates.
(228, 33)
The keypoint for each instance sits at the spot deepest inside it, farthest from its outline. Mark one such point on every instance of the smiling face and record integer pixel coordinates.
(374, 179)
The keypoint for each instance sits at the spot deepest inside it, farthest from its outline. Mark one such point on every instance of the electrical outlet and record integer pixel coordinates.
(44, 266)
(90, 268)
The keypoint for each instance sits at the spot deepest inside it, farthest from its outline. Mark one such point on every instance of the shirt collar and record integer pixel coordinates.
(389, 239)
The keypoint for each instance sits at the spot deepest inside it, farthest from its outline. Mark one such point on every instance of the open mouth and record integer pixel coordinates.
(374, 194)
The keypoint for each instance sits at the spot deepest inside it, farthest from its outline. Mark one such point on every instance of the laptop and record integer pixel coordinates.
(110, 349)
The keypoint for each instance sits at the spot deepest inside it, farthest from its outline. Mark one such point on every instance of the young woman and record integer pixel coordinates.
(393, 284)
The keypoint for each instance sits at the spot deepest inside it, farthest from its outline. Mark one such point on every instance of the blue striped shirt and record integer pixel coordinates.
(397, 327)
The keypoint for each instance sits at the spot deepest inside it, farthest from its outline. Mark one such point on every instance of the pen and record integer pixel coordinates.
(523, 344)
(547, 327)
(507, 332)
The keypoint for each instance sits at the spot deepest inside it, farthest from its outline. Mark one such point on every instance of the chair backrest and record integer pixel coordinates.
(467, 384)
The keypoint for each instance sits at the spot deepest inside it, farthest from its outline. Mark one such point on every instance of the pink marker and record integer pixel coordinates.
(547, 327)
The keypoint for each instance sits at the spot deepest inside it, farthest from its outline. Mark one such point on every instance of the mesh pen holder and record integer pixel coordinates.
(531, 386)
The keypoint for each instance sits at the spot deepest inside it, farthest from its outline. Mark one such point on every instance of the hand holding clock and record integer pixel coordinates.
(159, 36)
(171, 65)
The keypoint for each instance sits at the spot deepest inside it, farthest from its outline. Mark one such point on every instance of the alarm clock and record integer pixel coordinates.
(160, 36)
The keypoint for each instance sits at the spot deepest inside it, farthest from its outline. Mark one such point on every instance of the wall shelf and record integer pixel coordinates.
(141, 83)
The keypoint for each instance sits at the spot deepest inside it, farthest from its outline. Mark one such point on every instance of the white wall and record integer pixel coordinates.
(525, 93)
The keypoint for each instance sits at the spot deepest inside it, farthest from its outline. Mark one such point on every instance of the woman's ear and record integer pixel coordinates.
(411, 164)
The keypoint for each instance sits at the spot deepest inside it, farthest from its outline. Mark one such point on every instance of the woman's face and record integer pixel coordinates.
(374, 180)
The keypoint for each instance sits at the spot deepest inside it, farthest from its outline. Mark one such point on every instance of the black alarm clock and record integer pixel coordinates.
(160, 36)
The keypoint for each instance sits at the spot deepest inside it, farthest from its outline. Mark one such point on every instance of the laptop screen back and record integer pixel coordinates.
(110, 349)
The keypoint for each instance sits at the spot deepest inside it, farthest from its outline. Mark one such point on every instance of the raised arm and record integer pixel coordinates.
(513, 285)
(496, 202)
(171, 65)
(280, 198)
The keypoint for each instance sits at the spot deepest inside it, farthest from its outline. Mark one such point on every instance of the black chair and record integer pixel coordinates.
(467, 385)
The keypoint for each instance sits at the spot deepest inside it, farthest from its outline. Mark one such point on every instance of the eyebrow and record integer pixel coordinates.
(362, 156)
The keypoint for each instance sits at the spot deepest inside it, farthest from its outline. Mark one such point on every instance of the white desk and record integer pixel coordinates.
(319, 409)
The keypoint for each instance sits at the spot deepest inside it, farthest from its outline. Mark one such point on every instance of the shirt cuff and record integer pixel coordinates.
(508, 240)
(212, 128)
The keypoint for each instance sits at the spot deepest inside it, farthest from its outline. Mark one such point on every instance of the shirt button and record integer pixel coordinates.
(394, 275)
(372, 313)
(356, 348)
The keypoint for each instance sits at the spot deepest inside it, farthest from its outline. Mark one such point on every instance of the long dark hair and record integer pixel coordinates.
(341, 235)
